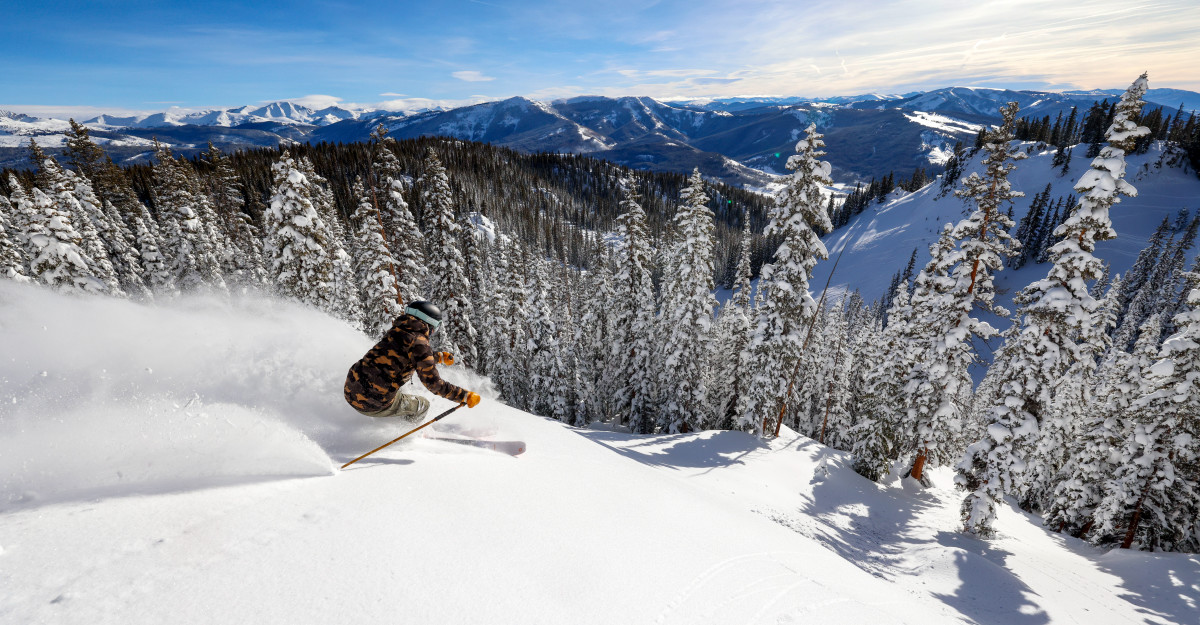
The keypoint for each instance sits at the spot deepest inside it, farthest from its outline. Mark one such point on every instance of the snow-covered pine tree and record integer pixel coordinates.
(1056, 312)
(347, 300)
(54, 246)
(510, 336)
(1137, 276)
(122, 249)
(1083, 332)
(546, 370)
(450, 289)
(1091, 451)
(687, 311)
(730, 359)
(837, 361)
(1154, 496)
(403, 236)
(567, 306)
(296, 247)
(952, 286)
(930, 424)
(374, 266)
(473, 243)
(242, 263)
(154, 266)
(876, 435)
(633, 316)
(75, 199)
(594, 346)
(13, 265)
(193, 264)
(20, 213)
(798, 217)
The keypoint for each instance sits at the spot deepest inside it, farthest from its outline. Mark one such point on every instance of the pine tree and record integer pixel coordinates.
(731, 357)
(87, 157)
(193, 262)
(296, 247)
(75, 199)
(837, 361)
(876, 434)
(13, 265)
(1057, 313)
(1088, 460)
(57, 259)
(122, 250)
(594, 346)
(687, 310)
(1154, 494)
(473, 242)
(930, 388)
(347, 300)
(511, 336)
(951, 287)
(797, 218)
(242, 262)
(374, 267)
(546, 368)
(633, 316)
(154, 265)
(403, 237)
(450, 289)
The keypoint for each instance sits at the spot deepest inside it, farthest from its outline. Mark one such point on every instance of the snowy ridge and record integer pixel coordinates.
(277, 112)
(178, 466)
(885, 235)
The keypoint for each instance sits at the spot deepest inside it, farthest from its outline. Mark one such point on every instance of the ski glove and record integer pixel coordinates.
(472, 400)
(445, 358)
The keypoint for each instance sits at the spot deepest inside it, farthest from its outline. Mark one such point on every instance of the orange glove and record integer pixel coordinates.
(445, 358)
(472, 400)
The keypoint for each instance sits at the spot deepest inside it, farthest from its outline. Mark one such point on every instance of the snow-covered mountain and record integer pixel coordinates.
(738, 140)
(277, 112)
(885, 235)
(985, 103)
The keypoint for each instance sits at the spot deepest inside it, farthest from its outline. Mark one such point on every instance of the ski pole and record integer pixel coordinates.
(430, 422)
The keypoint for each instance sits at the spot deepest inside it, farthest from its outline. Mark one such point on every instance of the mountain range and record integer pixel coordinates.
(737, 140)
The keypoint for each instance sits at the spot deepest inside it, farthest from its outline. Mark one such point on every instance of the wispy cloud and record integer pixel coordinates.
(672, 48)
(471, 75)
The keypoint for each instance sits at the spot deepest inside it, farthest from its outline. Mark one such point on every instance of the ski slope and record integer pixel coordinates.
(878, 242)
(177, 463)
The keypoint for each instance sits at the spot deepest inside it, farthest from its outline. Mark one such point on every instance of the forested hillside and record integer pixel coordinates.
(586, 292)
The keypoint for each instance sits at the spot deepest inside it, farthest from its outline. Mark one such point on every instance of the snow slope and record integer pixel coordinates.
(177, 463)
(879, 241)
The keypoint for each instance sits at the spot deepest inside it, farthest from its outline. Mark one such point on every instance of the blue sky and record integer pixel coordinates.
(141, 56)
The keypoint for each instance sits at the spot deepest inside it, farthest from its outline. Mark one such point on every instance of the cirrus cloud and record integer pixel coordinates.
(471, 75)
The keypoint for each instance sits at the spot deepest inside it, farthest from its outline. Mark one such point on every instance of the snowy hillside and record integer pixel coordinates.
(177, 463)
(883, 237)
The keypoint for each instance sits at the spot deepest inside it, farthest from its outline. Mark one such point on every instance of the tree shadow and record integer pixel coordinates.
(1165, 587)
(675, 451)
(883, 538)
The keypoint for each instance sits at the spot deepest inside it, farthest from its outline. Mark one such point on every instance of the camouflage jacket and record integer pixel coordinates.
(373, 382)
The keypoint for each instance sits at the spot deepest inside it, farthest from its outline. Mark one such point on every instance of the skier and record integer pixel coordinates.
(373, 383)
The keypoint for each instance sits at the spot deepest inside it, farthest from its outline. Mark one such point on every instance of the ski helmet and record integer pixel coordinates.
(427, 312)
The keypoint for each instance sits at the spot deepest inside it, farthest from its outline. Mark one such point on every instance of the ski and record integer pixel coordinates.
(513, 448)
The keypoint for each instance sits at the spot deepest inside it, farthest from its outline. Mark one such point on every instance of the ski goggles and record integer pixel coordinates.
(433, 323)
